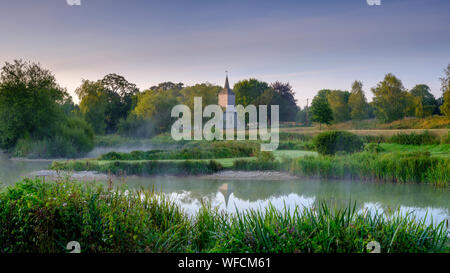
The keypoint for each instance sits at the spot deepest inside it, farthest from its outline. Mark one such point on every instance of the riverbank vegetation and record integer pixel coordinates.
(41, 217)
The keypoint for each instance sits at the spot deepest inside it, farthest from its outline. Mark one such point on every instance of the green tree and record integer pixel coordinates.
(338, 101)
(105, 102)
(248, 90)
(358, 102)
(30, 102)
(206, 91)
(93, 104)
(155, 107)
(390, 99)
(167, 86)
(445, 87)
(320, 109)
(424, 102)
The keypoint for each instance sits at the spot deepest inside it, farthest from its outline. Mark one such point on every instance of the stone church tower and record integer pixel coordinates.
(226, 96)
(227, 101)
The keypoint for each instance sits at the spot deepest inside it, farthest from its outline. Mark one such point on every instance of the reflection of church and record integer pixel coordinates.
(226, 189)
(227, 101)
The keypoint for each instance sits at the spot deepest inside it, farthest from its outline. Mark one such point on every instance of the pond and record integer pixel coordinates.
(234, 194)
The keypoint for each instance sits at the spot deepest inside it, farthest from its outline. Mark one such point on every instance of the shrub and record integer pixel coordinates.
(74, 138)
(331, 142)
(445, 139)
(415, 139)
(373, 148)
(266, 156)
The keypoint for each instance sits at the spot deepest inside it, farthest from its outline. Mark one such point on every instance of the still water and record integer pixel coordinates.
(231, 195)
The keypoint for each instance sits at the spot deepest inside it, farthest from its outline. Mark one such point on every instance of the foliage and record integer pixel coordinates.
(373, 148)
(331, 142)
(196, 151)
(445, 87)
(247, 91)
(30, 103)
(414, 139)
(156, 106)
(338, 101)
(358, 102)
(406, 167)
(424, 101)
(105, 102)
(390, 99)
(38, 217)
(74, 138)
(320, 110)
(286, 101)
(143, 167)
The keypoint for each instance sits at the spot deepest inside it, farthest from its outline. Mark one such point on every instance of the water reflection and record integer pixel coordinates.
(230, 195)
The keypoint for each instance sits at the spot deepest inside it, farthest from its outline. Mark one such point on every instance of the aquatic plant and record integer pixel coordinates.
(39, 217)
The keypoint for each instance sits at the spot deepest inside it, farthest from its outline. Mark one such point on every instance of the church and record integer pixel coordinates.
(227, 101)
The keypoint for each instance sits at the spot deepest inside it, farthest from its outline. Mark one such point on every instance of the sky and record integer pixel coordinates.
(313, 45)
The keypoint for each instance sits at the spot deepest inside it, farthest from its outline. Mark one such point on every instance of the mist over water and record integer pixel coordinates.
(230, 195)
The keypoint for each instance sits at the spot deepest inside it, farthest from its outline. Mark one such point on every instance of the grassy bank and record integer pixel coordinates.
(390, 167)
(401, 167)
(144, 167)
(44, 217)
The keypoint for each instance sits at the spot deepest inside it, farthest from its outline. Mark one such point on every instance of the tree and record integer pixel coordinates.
(30, 102)
(445, 87)
(320, 110)
(424, 102)
(105, 102)
(248, 90)
(358, 102)
(207, 91)
(338, 101)
(167, 86)
(390, 99)
(286, 100)
(93, 104)
(155, 107)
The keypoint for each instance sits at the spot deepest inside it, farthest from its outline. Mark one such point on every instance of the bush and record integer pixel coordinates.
(266, 156)
(373, 148)
(200, 150)
(415, 139)
(74, 138)
(153, 167)
(331, 142)
(445, 139)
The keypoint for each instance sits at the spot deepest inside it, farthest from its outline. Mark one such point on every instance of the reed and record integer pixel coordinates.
(39, 217)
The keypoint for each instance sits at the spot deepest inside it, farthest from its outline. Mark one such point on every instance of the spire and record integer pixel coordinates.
(227, 85)
(226, 89)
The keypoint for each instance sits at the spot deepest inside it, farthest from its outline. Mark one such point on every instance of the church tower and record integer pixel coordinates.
(226, 96)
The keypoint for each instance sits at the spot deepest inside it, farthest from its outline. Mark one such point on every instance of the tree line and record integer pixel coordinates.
(391, 101)
(37, 116)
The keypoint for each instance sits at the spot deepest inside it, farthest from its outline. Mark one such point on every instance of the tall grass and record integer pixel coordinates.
(416, 167)
(43, 217)
(149, 167)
